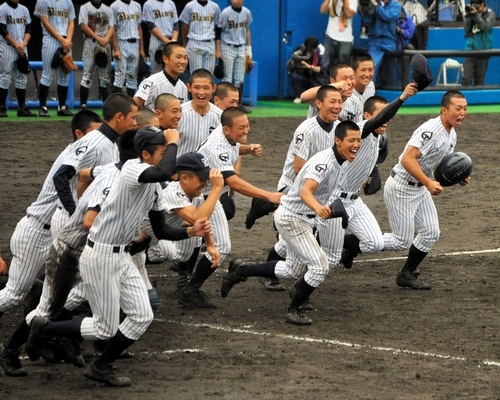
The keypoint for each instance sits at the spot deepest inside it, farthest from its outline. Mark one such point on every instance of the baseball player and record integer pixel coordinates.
(235, 43)
(146, 117)
(409, 189)
(111, 280)
(15, 28)
(58, 25)
(200, 18)
(3, 266)
(128, 44)
(167, 81)
(364, 88)
(294, 219)
(199, 116)
(161, 19)
(97, 24)
(342, 77)
(97, 148)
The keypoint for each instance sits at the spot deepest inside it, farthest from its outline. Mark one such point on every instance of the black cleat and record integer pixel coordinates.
(232, 278)
(107, 376)
(64, 112)
(306, 305)
(409, 279)
(43, 112)
(3, 112)
(271, 284)
(297, 317)
(10, 363)
(24, 112)
(347, 258)
(195, 299)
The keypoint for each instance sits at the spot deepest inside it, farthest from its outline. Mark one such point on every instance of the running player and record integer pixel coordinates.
(58, 25)
(15, 29)
(167, 81)
(97, 24)
(294, 219)
(160, 16)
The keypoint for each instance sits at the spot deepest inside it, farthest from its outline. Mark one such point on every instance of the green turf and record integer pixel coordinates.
(281, 108)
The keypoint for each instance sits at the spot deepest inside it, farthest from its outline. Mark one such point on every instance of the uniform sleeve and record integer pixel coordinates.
(422, 139)
(144, 89)
(72, 14)
(186, 15)
(302, 144)
(83, 17)
(41, 9)
(175, 198)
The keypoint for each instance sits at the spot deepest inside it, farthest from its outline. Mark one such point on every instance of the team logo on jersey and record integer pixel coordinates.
(426, 135)
(224, 157)
(180, 194)
(81, 150)
(146, 85)
(210, 130)
(105, 192)
(299, 138)
(320, 167)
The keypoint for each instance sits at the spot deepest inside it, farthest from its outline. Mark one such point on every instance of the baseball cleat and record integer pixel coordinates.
(306, 305)
(10, 363)
(271, 284)
(195, 299)
(43, 112)
(3, 112)
(232, 278)
(347, 259)
(24, 112)
(409, 279)
(36, 340)
(297, 317)
(107, 376)
(64, 112)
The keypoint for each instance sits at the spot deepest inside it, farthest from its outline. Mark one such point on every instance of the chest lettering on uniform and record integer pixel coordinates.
(224, 157)
(320, 168)
(201, 18)
(127, 17)
(12, 21)
(426, 135)
(235, 24)
(157, 14)
(57, 13)
(81, 150)
(299, 138)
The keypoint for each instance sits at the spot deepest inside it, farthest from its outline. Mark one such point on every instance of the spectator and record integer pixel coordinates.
(404, 31)
(419, 14)
(338, 36)
(479, 22)
(308, 67)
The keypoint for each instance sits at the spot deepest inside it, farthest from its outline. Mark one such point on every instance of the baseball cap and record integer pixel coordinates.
(194, 162)
(421, 74)
(147, 136)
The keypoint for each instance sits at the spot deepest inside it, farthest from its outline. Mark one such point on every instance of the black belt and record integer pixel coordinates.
(235, 45)
(45, 226)
(411, 183)
(309, 215)
(116, 249)
(206, 41)
(346, 196)
(133, 40)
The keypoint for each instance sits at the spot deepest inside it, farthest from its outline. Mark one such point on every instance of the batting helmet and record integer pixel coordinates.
(23, 65)
(219, 69)
(421, 73)
(143, 68)
(159, 56)
(101, 59)
(56, 60)
(455, 168)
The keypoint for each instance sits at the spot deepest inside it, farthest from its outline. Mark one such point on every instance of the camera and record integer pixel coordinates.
(470, 7)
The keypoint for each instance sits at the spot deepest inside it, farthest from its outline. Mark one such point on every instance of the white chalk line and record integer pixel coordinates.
(332, 342)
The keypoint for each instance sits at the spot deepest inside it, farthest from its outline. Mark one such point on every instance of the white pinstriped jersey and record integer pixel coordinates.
(325, 169)
(351, 110)
(234, 25)
(309, 139)
(126, 206)
(58, 12)
(202, 20)
(16, 20)
(46, 202)
(73, 233)
(174, 198)
(369, 92)
(127, 19)
(99, 20)
(434, 143)
(162, 14)
(159, 83)
(195, 128)
(220, 154)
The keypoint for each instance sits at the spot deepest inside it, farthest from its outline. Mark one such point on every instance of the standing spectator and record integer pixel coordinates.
(161, 19)
(381, 16)
(58, 23)
(338, 36)
(200, 17)
(97, 24)
(479, 22)
(308, 67)
(235, 44)
(15, 28)
(128, 45)
(419, 14)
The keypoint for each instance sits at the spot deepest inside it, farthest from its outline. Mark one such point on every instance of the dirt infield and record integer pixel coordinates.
(369, 339)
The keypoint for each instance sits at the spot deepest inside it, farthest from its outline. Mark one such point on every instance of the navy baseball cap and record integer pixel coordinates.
(194, 162)
(421, 74)
(147, 136)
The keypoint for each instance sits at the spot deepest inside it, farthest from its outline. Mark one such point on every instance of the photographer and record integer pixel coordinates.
(479, 22)
(308, 67)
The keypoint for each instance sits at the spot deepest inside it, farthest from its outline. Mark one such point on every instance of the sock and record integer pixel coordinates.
(19, 337)
(3, 97)
(265, 269)
(415, 257)
(62, 93)
(351, 243)
(84, 95)
(43, 93)
(117, 345)
(131, 92)
(69, 328)
(103, 91)
(192, 260)
(302, 293)
(201, 274)
(274, 256)
(21, 97)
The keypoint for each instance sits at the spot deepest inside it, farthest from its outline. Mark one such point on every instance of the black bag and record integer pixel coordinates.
(228, 204)
(374, 183)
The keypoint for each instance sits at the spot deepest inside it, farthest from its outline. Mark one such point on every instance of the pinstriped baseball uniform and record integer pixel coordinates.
(30, 242)
(352, 110)
(201, 21)
(159, 83)
(127, 19)
(59, 13)
(99, 20)
(369, 92)
(68, 246)
(234, 25)
(110, 277)
(15, 20)
(95, 148)
(294, 220)
(411, 207)
(195, 128)
(163, 14)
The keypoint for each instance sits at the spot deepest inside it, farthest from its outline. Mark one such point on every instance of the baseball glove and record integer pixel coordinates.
(248, 64)
(101, 58)
(339, 211)
(67, 64)
(23, 65)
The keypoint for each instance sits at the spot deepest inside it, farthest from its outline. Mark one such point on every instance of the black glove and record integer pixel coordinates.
(137, 247)
(338, 211)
